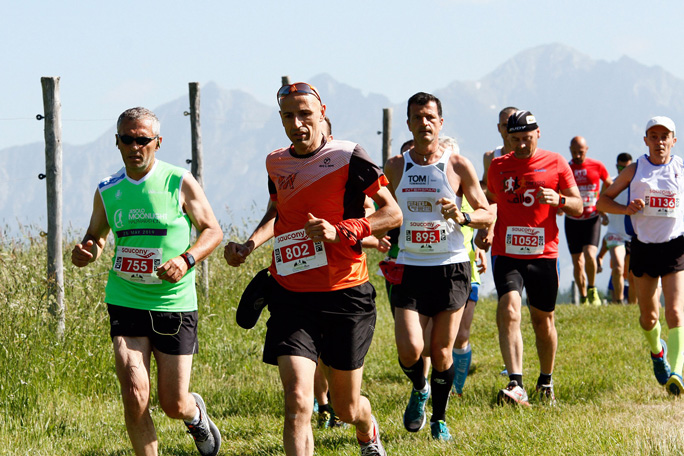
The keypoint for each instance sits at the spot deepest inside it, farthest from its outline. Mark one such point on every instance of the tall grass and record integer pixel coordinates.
(61, 397)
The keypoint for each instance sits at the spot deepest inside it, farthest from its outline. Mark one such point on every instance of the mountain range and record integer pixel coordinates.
(570, 94)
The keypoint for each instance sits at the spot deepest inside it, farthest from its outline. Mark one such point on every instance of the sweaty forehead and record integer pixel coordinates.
(141, 124)
(658, 130)
(300, 101)
(428, 108)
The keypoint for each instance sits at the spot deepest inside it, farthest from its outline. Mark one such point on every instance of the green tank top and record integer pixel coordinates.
(149, 228)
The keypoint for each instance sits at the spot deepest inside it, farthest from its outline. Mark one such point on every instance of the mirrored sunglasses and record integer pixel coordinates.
(299, 87)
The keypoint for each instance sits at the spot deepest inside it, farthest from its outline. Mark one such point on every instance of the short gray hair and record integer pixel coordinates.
(450, 143)
(139, 113)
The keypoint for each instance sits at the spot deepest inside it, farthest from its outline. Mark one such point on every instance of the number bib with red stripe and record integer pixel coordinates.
(138, 264)
(661, 203)
(426, 236)
(524, 240)
(296, 252)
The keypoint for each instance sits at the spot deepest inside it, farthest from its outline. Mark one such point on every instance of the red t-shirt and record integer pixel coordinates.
(330, 183)
(525, 228)
(588, 176)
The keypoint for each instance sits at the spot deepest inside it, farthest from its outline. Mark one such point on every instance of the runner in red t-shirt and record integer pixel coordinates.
(584, 232)
(528, 186)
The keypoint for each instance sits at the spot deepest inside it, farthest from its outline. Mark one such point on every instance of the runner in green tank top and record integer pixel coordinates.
(151, 208)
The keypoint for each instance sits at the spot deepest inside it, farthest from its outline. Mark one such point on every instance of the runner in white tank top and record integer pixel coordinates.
(656, 184)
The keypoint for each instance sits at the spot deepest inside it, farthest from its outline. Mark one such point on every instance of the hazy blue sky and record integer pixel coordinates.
(115, 55)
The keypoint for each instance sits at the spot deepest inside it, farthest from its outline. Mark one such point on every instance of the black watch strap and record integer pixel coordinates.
(189, 259)
(467, 220)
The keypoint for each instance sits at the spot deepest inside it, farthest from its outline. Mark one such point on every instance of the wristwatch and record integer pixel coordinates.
(189, 259)
(561, 202)
(467, 220)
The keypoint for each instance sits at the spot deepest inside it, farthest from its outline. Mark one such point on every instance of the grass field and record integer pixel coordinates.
(61, 397)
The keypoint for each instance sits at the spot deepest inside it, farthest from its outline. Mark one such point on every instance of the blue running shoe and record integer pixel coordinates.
(674, 385)
(414, 416)
(661, 368)
(440, 431)
(462, 367)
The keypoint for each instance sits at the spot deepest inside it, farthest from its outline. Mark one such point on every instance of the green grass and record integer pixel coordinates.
(61, 397)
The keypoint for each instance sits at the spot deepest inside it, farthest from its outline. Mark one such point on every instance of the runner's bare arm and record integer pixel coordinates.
(482, 215)
(194, 203)
(90, 248)
(387, 216)
(573, 200)
(236, 253)
(606, 202)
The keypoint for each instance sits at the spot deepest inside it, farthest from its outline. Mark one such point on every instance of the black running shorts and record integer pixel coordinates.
(579, 233)
(336, 325)
(539, 277)
(173, 333)
(430, 290)
(657, 260)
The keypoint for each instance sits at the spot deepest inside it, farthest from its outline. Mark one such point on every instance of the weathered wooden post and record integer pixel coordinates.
(285, 80)
(53, 171)
(386, 134)
(197, 167)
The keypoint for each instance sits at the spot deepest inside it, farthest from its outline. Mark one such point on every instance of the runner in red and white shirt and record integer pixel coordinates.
(321, 302)
(528, 186)
(584, 232)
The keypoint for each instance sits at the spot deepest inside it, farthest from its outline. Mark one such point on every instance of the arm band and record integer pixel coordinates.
(352, 231)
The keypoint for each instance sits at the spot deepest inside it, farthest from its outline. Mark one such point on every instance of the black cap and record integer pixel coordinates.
(253, 300)
(521, 121)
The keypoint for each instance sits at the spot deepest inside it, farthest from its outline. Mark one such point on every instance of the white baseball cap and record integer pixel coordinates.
(662, 121)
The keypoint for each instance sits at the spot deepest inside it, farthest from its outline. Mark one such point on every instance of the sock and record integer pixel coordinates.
(415, 374)
(462, 358)
(462, 351)
(544, 379)
(195, 421)
(324, 408)
(366, 437)
(675, 344)
(441, 382)
(517, 378)
(653, 338)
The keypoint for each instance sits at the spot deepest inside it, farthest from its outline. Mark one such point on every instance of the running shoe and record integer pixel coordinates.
(504, 372)
(323, 419)
(206, 434)
(440, 431)
(593, 297)
(546, 395)
(414, 416)
(674, 385)
(584, 301)
(512, 394)
(374, 446)
(462, 367)
(661, 368)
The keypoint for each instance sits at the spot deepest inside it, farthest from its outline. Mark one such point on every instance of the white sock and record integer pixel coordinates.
(462, 351)
(195, 421)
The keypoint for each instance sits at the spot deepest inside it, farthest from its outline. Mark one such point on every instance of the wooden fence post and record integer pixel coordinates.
(285, 80)
(53, 171)
(197, 167)
(386, 135)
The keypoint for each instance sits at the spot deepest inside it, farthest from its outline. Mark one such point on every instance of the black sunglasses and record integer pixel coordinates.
(141, 140)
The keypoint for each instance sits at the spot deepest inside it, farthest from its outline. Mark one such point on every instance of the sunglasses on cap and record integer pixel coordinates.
(141, 140)
(298, 87)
